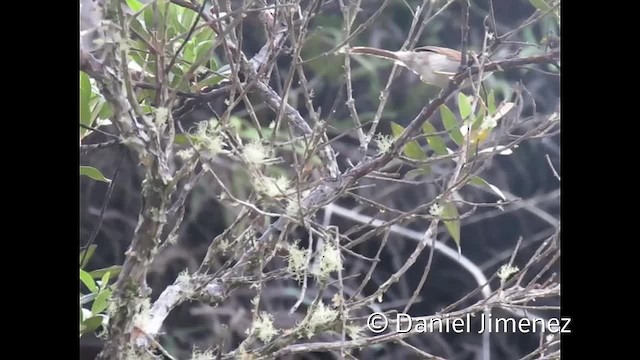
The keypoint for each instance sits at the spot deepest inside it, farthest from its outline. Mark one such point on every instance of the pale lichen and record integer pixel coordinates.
(202, 355)
(321, 316)
(255, 153)
(507, 270)
(162, 115)
(297, 261)
(384, 142)
(330, 261)
(272, 187)
(436, 210)
(263, 327)
(208, 138)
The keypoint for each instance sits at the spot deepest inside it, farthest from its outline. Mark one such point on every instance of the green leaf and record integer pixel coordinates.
(464, 106)
(101, 302)
(112, 270)
(162, 5)
(415, 173)
(85, 299)
(88, 281)
(491, 102)
(177, 72)
(540, 5)
(85, 98)
(90, 324)
(171, 31)
(268, 133)
(139, 29)
(203, 50)
(89, 252)
(106, 111)
(477, 122)
(503, 109)
(450, 211)
(250, 133)
(187, 18)
(97, 109)
(206, 34)
(105, 280)
(482, 182)
(146, 108)
(93, 173)
(135, 5)
(181, 139)
(189, 54)
(482, 112)
(412, 149)
(138, 59)
(236, 122)
(451, 124)
(213, 65)
(148, 16)
(174, 19)
(435, 141)
(211, 81)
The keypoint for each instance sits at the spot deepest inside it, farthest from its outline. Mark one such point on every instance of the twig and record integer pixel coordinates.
(105, 203)
(200, 95)
(513, 63)
(425, 273)
(510, 264)
(462, 260)
(357, 32)
(514, 295)
(423, 354)
(99, 131)
(555, 173)
(464, 30)
(407, 44)
(186, 40)
(347, 22)
(492, 16)
(343, 312)
(376, 261)
(103, 145)
(303, 291)
(325, 191)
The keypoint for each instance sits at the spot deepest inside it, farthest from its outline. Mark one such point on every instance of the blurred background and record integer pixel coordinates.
(488, 235)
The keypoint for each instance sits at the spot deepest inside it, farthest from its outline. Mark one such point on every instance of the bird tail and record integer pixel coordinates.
(389, 55)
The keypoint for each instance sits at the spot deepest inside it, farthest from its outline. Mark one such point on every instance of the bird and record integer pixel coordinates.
(434, 64)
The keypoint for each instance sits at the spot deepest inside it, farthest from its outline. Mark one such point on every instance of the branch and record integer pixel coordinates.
(513, 295)
(323, 193)
(326, 191)
(547, 58)
(103, 145)
(108, 65)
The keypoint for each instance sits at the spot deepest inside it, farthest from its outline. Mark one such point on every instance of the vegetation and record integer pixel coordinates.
(272, 192)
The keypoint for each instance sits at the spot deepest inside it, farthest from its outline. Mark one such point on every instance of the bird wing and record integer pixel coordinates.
(450, 53)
